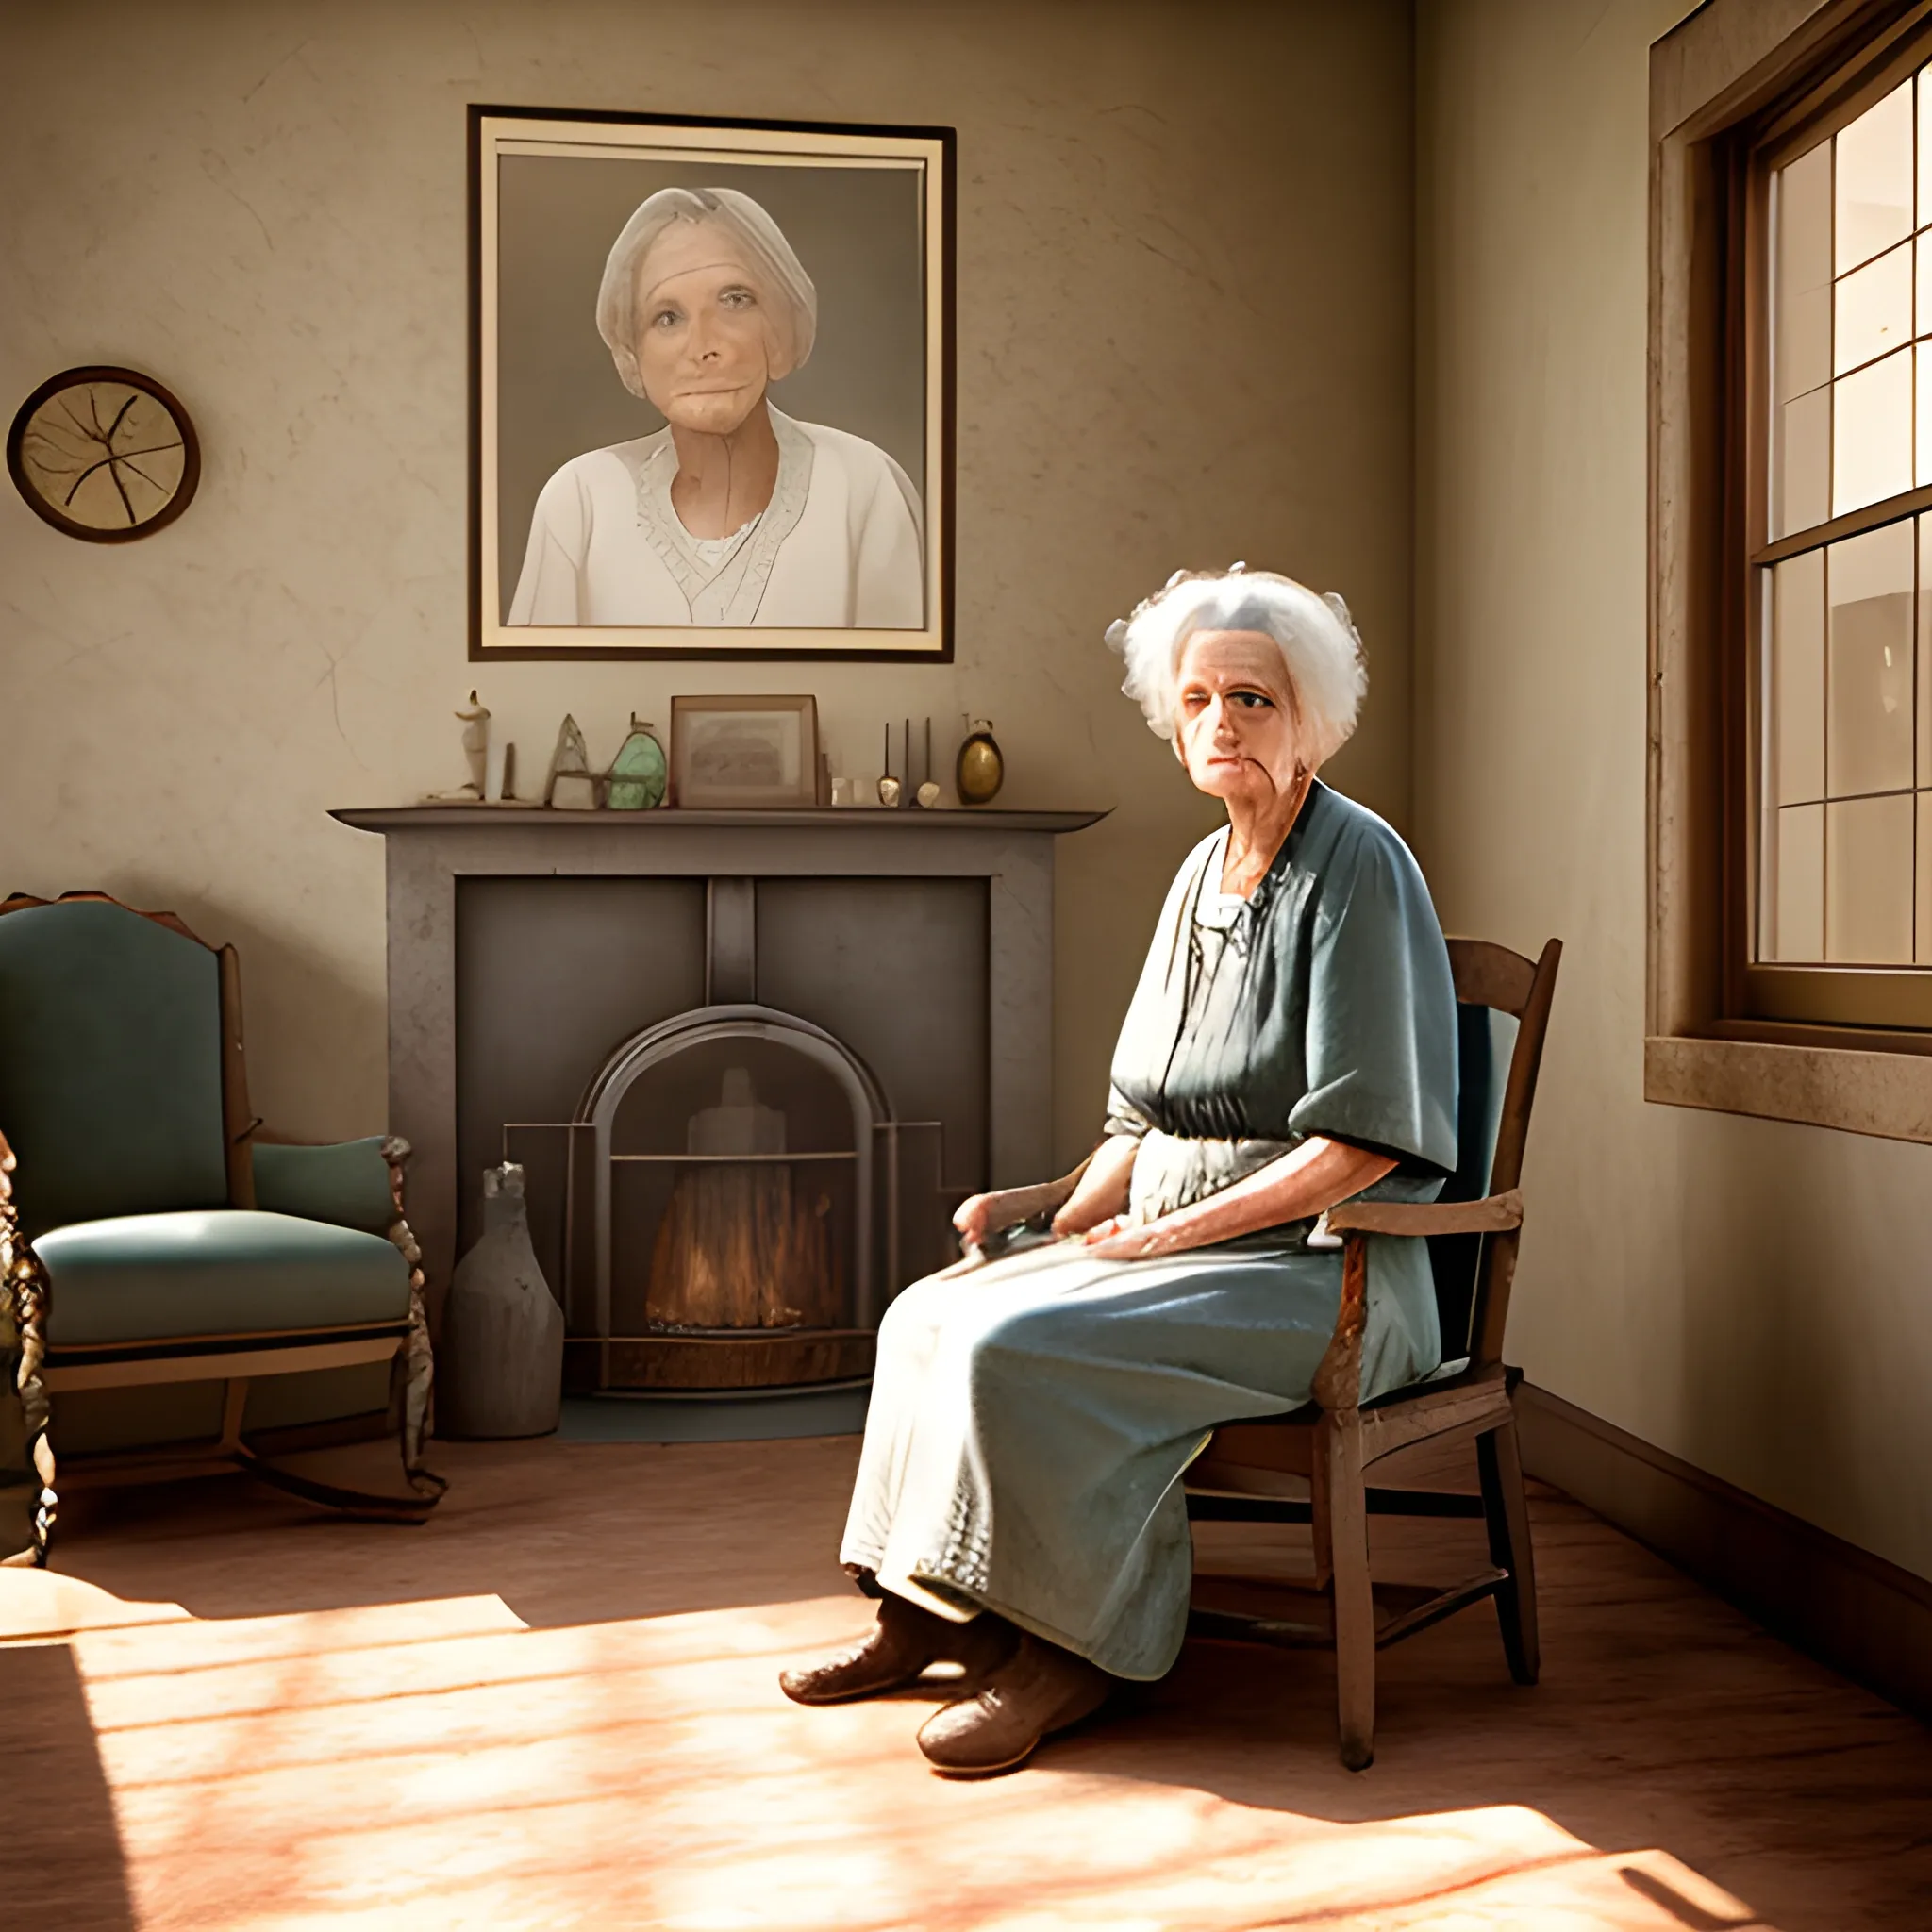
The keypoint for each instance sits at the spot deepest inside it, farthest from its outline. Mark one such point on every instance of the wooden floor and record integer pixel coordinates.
(555, 1706)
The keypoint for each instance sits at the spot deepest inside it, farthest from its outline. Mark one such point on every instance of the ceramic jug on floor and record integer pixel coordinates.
(499, 1370)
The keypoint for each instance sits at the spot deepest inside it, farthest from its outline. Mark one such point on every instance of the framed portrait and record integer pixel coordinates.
(742, 752)
(712, 387)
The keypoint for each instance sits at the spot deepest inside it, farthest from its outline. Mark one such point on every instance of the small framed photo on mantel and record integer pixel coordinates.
(712, 387)
(744, 753)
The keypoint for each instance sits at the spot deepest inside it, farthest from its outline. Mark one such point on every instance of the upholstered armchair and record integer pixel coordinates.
(180, 1296)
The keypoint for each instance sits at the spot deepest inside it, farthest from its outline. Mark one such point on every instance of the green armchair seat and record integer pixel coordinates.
(158, 1264)
(215, 1272)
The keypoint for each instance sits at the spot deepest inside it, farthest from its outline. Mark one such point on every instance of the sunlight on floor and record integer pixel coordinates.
(436, 1762)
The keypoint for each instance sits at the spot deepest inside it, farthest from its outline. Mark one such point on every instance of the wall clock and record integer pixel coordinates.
(103, 454)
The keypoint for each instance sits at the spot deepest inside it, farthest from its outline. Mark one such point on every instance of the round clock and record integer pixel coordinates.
(103, 454)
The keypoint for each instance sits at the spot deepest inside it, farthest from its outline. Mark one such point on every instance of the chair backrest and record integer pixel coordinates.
(111, 1062)
(1503, 1014)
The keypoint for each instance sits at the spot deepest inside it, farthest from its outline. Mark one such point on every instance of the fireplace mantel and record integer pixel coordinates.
(409, 818)
(432, 849)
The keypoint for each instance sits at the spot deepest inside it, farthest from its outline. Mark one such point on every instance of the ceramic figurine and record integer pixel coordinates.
(980, 770)
(571, 787)
(639, 773)
(499, 1367)
(475, 720)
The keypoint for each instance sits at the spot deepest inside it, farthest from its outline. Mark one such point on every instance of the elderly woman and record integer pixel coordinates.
(732, 513)
(1290, 1045)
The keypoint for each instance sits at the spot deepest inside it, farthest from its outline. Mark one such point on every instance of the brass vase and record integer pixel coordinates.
(981, 769)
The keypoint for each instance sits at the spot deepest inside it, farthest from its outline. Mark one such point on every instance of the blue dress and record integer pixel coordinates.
(1031, 1420)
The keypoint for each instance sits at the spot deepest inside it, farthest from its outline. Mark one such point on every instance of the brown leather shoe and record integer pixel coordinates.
(903, 1642)
(1043, 1690)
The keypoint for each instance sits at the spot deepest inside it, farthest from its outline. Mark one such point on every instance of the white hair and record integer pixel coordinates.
(795, 315)
(1320, 647)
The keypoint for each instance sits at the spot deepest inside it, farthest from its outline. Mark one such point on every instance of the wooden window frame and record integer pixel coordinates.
(1728, 86)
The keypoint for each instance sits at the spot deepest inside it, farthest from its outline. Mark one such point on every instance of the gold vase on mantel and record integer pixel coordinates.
(980, 770)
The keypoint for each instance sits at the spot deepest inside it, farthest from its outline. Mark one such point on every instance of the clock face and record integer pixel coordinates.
(103, 454)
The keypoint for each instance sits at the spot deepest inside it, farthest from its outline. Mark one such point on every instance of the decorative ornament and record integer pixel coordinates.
(639, 773)
(980, 770)
(572, 786)
(103, 454)
(476, 722)
(928, 795)
(889, 790)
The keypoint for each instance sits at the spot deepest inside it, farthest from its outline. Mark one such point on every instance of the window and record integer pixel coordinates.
(1789, 918)
(1831, 884)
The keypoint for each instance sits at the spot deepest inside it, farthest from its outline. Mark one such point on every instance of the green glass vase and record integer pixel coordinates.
(638, 772)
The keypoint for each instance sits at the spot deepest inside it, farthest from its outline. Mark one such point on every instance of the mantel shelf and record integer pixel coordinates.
(439, 818)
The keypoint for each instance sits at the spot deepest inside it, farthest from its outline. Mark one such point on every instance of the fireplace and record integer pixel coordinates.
(750, 1061)
(737, 1203)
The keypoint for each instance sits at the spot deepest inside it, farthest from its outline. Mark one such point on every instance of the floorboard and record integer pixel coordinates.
(554, 1706)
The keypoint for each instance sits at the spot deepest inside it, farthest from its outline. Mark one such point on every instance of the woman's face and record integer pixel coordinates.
(704, 342)
(1239, 731)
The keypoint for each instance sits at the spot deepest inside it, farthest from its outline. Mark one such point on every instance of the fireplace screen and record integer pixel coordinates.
(737, 1206)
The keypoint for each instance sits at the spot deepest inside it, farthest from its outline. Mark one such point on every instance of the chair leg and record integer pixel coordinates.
(1318, 1518)
(1340, 1452)
(1505, 1509)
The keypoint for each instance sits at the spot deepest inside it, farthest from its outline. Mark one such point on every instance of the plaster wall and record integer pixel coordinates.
(1752, 1296)
(1184, 325)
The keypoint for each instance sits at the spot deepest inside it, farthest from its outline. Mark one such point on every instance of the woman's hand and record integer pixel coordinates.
(1120, 1240)
(979, 1215)
(1299, 1186)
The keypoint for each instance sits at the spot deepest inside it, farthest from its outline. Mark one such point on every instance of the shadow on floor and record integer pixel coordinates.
(565, 1533)
(64, 1864)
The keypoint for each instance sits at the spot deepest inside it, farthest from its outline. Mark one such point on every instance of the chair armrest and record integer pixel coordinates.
(346, 1185)
(1492, 1215)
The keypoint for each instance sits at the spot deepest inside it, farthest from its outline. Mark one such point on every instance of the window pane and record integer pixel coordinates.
(1867, 872)
(1871, 434)
(1925, 651)
(1873, 200)
(1872, 311)
(1921, 946)
(1797, 692)
(1801, 484)
(1922, 432)
(1803, 272)
(1922, 308)
(1869, 705)
(1800, 921)
(1924, 146)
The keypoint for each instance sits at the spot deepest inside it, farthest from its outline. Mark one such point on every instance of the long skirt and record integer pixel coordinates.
(1031, 1421)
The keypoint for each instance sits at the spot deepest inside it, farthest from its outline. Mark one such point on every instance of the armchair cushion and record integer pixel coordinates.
(346, 1185)
(229, 1271)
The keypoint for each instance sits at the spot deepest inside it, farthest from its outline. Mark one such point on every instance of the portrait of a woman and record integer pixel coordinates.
(1290, 1045)
(733, 513)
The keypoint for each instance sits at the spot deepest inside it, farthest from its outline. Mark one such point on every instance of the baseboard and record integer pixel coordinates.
(1854, 1611)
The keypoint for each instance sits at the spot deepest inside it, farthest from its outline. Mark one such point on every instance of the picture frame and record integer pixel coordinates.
(744, 751)
(786, 290)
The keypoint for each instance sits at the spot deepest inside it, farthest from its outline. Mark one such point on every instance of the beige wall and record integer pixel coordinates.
(1184, 324)
(1753, 1298)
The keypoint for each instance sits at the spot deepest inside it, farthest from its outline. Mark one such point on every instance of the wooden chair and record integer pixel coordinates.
(1333, 1442)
